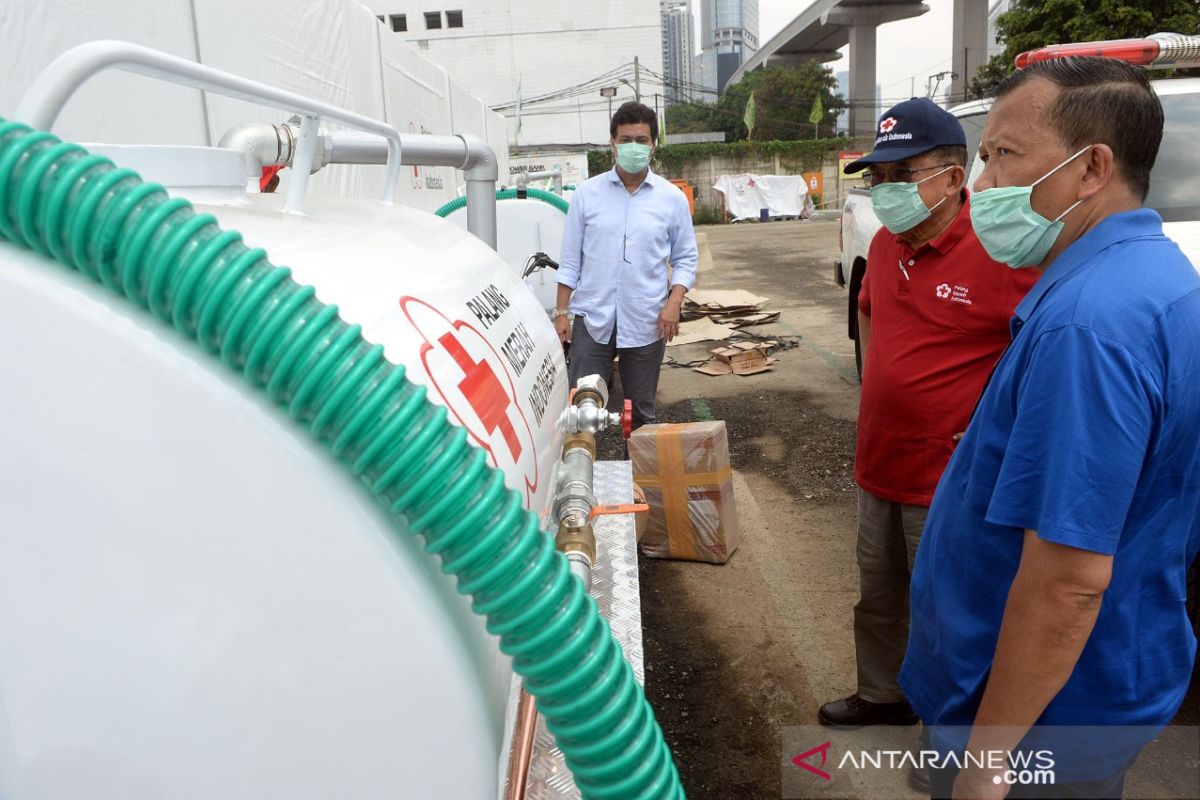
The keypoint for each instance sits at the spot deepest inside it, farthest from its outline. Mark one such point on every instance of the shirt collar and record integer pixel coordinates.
(946, 241)
(615, 178)
(1110, 230)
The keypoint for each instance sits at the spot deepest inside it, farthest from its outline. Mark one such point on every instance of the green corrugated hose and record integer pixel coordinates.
(179, 265)
(508, 194)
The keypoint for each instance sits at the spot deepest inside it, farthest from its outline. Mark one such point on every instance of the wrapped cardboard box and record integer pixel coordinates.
(684, 470)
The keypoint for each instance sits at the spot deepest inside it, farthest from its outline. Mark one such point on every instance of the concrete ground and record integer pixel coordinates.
(737, 653)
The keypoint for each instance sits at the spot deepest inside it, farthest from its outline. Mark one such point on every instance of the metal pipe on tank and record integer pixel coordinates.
(481, 210)
(471, 154)
(352, 147)
(524, 733)
(556, 176)
(262, 144)
(304, 163)
(573, 504)
(574, 499)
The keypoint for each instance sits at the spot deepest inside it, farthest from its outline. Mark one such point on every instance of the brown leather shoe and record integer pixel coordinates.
(854, 712)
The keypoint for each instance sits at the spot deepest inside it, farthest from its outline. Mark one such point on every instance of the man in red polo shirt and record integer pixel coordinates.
(933, 317)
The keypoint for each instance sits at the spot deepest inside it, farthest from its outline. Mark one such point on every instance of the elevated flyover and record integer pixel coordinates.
(825, 27)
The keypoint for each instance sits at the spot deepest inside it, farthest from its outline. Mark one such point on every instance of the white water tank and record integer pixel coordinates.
(526, 226)
(196, 600)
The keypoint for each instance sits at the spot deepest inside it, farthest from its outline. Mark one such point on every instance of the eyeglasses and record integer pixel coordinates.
(876, 176)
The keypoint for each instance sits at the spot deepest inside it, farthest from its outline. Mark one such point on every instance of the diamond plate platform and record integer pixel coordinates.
(615, 590)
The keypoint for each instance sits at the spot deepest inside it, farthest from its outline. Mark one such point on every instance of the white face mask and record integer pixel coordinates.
(899, 205)
(633, 157)
(1008, 227)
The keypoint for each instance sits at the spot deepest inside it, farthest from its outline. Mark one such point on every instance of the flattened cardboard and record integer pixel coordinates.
(700, 330)
(750, 320)
(714, 368)
(739, 353)
(754, 367)
(755, 362)
(726, 298)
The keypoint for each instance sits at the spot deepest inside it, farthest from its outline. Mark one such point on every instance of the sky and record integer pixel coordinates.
(911, 48)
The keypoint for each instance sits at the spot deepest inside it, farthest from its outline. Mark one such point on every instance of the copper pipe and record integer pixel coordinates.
(524, 729)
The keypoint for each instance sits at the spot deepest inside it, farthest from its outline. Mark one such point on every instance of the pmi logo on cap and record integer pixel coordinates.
(887, 125)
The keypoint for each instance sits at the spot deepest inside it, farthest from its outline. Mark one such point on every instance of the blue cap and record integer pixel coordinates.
(908, 129)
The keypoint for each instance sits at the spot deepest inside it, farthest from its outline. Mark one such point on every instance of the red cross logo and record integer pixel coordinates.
(801, 761)
(468, 375)
(484, 392)
(887, 125)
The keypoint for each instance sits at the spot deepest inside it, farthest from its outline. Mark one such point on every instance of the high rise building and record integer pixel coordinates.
(995, 9)
(729, 31)
(841, 120)
(678, 48)
(704, 75)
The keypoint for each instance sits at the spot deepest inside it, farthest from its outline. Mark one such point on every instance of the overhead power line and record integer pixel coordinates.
(605, 78)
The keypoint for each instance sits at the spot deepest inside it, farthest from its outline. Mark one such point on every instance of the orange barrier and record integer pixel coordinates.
(686, 188)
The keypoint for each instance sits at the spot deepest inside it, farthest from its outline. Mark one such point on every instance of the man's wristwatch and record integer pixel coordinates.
(560, 312)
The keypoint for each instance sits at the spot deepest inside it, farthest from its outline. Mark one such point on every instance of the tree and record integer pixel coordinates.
(1030, 24)
(690, 117)
(783, 102)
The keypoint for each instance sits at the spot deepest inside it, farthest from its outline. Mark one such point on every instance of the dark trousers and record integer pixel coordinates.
(941, 783)
(639, 366)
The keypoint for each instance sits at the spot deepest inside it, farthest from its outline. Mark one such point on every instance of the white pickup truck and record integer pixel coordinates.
(1174, 188)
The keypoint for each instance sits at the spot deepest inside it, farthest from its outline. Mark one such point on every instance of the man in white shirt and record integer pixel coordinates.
(622, 228)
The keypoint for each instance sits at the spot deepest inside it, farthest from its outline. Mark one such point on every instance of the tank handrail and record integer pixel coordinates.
(48, 94)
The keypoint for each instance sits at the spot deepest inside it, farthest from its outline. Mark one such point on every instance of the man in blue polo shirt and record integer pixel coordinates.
(1050, 586)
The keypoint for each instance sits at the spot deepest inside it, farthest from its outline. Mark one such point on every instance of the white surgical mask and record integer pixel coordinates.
(899, 205)
(633, 157)
(1008, 227)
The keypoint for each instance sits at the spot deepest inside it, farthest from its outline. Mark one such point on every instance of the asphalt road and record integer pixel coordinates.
(739, 653)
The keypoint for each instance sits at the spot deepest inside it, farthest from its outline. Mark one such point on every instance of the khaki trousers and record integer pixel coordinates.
(888, 535)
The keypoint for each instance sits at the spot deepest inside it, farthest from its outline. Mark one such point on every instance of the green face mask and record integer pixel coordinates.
(1008, 227)
(899, 205)
(633, 157)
